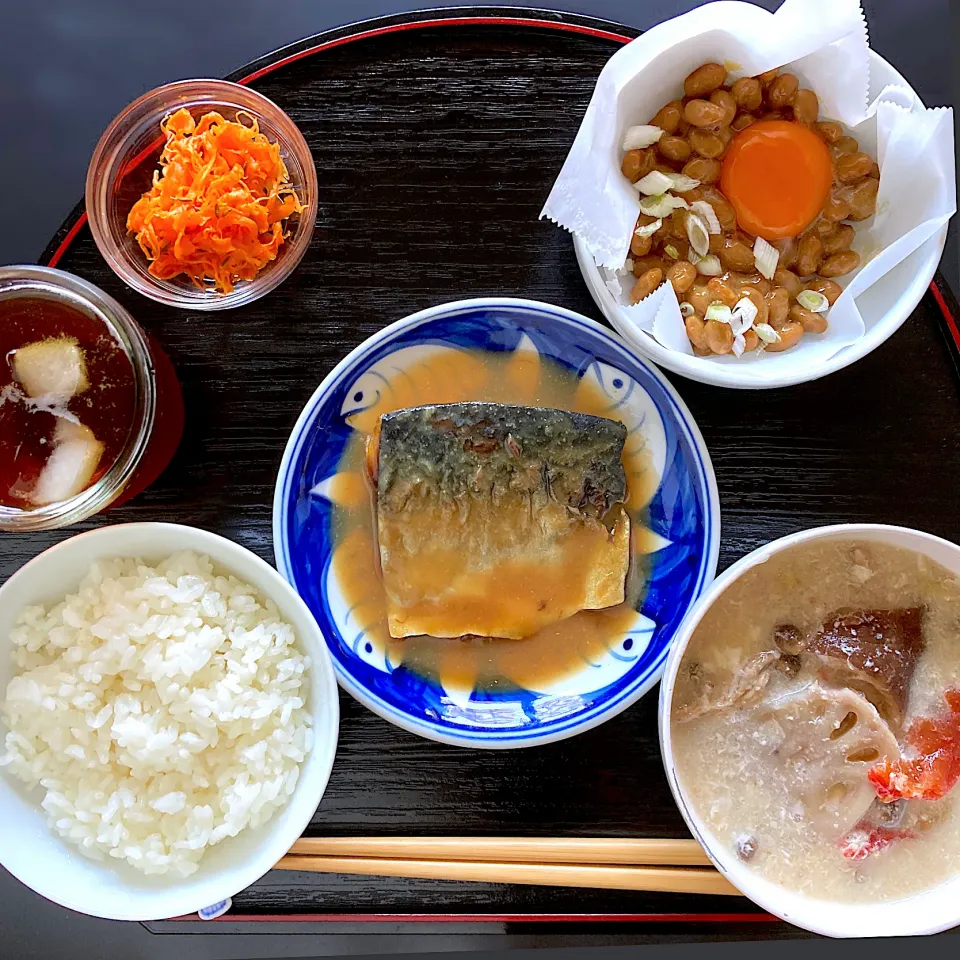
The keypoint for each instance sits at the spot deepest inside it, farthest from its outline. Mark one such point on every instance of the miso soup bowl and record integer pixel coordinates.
(929, 911)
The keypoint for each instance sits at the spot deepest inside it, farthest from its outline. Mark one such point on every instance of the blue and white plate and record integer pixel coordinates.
(683, 516)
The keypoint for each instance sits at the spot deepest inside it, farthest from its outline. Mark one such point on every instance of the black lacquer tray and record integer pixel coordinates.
(437, 137)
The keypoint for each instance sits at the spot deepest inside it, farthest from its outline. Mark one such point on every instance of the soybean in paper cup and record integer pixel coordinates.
(824, 42)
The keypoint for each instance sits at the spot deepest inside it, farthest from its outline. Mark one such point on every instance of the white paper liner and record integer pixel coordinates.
(823, 42)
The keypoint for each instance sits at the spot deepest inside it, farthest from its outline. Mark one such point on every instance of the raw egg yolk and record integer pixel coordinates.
(777, 175)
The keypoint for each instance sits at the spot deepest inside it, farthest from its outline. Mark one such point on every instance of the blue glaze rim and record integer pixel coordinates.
(286, 499)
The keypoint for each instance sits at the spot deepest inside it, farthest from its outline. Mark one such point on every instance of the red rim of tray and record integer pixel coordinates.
(521, 18)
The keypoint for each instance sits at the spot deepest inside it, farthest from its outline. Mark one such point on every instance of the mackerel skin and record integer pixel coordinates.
(491, 450)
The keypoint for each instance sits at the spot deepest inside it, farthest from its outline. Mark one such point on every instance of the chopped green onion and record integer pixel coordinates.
(654, 183)
(813, 300)
(703, 209)
(739, 345)
(697, 234)
(671, 251)
(709, 266)
(661, 205)
(682, 183)
(744, 313)
(718, 311)
(765, 256)
(766, 333)
(649, 229)
(686, 309)
(646, 135)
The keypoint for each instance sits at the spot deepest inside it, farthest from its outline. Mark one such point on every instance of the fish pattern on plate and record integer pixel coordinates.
(387, 373)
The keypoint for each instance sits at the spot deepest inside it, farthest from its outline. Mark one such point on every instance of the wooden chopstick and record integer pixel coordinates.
(669, 866)
(660, 879)
(586, 850)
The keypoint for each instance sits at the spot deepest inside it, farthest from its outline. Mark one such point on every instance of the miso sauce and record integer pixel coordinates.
(469, 663)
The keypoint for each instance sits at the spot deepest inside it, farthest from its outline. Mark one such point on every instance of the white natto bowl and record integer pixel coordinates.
(929, 911)
(884, 306)
(34, 854)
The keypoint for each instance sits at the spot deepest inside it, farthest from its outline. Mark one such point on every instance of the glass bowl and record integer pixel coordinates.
(58, 286)
(122, 168)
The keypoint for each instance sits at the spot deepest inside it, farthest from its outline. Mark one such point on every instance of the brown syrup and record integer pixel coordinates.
(27, 429)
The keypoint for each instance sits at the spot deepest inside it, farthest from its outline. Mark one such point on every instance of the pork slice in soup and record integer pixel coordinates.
(873, 651)
(745, 686)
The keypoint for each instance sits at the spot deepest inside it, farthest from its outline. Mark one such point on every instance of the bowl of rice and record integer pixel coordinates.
(168, 720)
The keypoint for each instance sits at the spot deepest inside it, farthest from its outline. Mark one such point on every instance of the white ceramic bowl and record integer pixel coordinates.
(884, 306)
(927, 912)
(113, 889)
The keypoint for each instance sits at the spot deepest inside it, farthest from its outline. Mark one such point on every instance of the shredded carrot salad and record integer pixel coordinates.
(216, 209)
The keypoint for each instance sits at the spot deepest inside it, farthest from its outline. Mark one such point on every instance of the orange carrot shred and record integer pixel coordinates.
(216, 209)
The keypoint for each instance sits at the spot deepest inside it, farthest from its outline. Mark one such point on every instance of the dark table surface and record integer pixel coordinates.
(247, 377)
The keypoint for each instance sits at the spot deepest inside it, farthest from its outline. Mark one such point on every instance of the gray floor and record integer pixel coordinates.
(66, 68)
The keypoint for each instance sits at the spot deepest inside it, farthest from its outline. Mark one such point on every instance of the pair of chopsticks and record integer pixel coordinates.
(666, 866)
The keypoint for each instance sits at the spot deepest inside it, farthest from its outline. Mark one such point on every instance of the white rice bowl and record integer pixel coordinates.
(161, 709)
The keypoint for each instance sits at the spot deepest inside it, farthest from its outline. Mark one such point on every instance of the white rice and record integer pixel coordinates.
(161, 709)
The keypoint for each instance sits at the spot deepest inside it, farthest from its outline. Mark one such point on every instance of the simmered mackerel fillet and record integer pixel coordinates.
(496, 520)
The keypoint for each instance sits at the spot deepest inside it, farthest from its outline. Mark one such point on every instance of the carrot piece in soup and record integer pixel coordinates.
(936, 768)
(866, 839)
